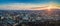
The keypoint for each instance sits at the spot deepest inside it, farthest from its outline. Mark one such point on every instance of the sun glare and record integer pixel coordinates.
(51, 5)
(49, 8)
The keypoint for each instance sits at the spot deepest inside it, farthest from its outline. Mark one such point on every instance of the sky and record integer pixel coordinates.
(27, 4)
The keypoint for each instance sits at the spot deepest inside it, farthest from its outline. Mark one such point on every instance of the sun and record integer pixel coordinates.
(51, 6)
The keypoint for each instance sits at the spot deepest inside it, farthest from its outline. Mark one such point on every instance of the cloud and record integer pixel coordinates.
(24, 6)
(18, 6)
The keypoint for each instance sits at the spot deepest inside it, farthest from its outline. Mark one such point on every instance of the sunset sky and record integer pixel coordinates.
(28, 4)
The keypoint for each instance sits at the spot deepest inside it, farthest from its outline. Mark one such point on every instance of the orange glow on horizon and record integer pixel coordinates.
(48, 7)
